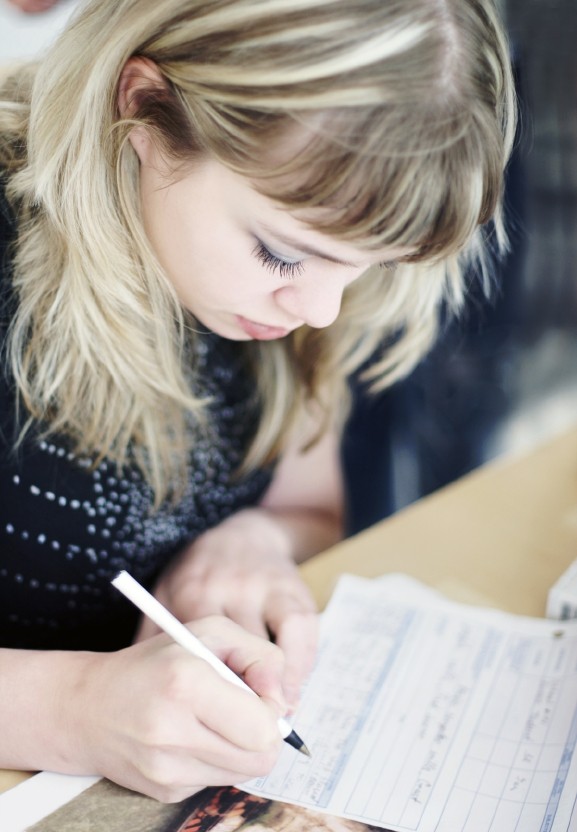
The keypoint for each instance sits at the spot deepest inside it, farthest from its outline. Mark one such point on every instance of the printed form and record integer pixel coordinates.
(430, 716)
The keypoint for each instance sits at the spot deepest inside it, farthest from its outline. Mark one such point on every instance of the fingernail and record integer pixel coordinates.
(292, 695)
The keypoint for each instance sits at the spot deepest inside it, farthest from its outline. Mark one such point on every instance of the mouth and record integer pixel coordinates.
(261, 332)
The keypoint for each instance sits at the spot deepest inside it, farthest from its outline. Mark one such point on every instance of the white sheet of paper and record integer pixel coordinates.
(422, 715)
(426, 715)
(38, 797)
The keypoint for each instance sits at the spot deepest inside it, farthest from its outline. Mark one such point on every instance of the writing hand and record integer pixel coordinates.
(243, 569)
(160, 721)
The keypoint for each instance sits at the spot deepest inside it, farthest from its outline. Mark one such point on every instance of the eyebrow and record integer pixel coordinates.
(305, 248)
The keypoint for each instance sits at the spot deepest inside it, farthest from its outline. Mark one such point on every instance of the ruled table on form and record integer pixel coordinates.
(424, 715)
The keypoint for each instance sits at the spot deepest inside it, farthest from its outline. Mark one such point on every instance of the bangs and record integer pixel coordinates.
(425, 186)
(388, 126)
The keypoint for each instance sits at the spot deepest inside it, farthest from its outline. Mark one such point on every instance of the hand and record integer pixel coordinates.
(243, 569)
(160, 721)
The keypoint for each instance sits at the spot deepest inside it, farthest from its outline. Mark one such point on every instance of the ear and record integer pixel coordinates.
(138, 76)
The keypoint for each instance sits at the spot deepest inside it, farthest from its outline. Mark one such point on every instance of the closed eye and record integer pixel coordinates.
(285, 268)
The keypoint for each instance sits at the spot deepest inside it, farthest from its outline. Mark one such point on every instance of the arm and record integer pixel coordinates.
(245, 568)
(306, 498)
(151, 717)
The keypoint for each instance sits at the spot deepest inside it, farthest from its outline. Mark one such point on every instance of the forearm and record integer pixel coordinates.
(39, 695)
(306, 531)
(306, 498)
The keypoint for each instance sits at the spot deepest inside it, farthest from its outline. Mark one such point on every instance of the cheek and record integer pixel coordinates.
(201, 254)
(241, 274)
(165, 235)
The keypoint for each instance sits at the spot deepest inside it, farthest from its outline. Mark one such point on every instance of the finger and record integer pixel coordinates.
(248, 615)
(219, 754)
(193, 706)
(298, 638)
(175, 776)
(238, 716)
(297, 635)
(254, 659)
(287, 600)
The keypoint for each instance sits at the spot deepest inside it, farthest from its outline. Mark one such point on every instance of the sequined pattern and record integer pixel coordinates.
(66, 527)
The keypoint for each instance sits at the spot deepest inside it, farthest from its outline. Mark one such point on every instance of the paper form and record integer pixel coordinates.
(430, 716)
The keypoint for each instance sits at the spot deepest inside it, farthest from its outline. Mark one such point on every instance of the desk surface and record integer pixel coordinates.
(499, 537)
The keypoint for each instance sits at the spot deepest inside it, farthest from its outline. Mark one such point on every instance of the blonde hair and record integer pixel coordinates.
(410, 108)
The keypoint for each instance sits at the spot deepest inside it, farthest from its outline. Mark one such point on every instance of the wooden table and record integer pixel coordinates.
(498, 537)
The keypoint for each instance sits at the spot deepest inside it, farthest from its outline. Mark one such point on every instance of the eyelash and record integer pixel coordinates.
(291, 270)
(275, 264)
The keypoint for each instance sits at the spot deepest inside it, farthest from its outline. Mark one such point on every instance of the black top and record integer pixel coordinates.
(66, 527)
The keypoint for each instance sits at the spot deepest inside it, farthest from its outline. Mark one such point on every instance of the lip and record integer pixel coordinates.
(261, 332)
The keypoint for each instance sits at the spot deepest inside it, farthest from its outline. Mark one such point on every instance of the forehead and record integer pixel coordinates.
(302, 238)
(374, 188)
(294, 231)
(302, 231)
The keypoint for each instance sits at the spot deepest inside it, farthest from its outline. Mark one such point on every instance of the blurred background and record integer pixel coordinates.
(503, 377)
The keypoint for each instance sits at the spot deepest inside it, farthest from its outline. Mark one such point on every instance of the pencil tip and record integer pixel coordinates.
(296, 742)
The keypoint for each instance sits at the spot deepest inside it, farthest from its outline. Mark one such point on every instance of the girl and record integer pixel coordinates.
(212, 214)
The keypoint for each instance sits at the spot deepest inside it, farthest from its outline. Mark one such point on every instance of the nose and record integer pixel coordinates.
(315, 302)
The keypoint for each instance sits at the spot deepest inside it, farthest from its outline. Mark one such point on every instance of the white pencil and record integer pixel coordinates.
(164, 619)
